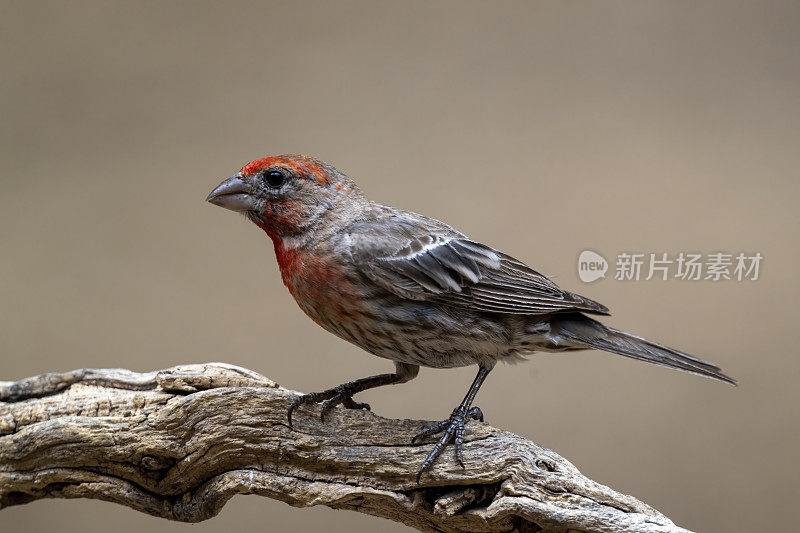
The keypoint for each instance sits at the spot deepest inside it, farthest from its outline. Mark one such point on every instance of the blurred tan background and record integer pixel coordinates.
(542, 128)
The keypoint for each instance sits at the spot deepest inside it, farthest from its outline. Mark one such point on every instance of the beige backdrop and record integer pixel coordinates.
(540, 128)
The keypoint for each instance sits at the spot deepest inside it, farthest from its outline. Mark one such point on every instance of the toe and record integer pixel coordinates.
(292, 406)
(352, 404)
(327, 407)
(432, 430)
(475, 414)
(445, 439)
(453, 433)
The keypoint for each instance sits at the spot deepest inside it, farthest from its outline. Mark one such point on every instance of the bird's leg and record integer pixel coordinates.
(343, 394)
(453, 427)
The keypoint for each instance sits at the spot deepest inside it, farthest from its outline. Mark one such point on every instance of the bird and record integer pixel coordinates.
(413, 290)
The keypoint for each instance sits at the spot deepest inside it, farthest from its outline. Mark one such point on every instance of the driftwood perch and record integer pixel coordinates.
(179, 443)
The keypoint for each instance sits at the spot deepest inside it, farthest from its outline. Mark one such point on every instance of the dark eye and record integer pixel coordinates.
(274, 179)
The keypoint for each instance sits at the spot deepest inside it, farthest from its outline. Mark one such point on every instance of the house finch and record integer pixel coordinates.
(412, 289)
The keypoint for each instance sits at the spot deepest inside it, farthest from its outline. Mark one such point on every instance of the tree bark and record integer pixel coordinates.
(179, 443)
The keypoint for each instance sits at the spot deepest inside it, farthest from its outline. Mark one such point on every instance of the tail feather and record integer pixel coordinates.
(591, 333)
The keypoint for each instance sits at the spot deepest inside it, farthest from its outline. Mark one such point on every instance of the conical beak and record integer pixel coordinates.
(233, 194)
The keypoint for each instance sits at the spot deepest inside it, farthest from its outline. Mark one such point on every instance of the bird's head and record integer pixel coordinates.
(289, 195)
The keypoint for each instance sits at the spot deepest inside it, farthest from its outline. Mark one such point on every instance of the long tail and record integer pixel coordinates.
(585, 331)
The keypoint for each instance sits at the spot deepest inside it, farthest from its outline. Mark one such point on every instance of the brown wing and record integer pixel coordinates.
(444, 267)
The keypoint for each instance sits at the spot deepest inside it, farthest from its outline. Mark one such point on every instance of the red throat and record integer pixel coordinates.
(286, 258)
(306, 275)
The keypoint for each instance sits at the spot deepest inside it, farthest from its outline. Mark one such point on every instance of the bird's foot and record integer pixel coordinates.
(341, 394)
(453, 429)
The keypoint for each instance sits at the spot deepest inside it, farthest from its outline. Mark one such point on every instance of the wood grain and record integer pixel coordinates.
(179, 443)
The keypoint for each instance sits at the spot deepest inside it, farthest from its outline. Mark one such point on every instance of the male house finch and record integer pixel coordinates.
(412, 289)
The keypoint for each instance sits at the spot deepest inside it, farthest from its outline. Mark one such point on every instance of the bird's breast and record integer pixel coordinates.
(319, 283)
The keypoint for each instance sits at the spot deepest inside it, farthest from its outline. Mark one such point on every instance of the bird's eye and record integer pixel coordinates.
(274, 179)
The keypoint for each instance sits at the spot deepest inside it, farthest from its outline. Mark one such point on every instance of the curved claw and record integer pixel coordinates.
(475, 414)
(312, 397)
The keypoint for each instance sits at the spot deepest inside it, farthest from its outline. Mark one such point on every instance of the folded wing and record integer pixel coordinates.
(449, 269)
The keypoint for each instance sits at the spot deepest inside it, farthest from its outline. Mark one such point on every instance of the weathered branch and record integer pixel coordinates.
(181, 442)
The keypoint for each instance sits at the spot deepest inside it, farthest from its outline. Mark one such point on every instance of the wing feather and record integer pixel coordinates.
(455, 271)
